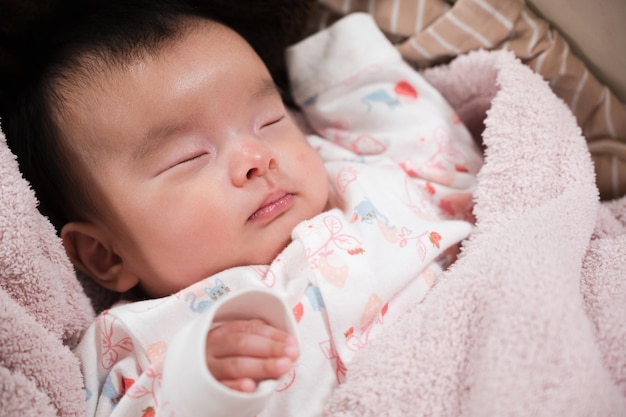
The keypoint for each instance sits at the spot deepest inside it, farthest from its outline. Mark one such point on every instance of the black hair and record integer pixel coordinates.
(117, 31)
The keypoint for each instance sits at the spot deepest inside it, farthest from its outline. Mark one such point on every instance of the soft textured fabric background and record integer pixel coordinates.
(43, 310)
(596, 32)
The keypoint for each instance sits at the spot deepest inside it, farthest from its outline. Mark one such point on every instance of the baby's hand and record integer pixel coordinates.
(242, 353)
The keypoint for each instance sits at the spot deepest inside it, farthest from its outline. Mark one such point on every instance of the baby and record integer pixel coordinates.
(267, 259)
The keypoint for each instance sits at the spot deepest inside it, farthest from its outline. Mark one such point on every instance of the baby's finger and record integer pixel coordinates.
(254, 326)
(235, 368)
(250, 345)
(242, 385)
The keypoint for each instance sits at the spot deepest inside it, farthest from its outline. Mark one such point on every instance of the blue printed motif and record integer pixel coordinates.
(109, 391)
(368, 213)
(403, 93)
(380, 96)
(314, 295)
(199, 304)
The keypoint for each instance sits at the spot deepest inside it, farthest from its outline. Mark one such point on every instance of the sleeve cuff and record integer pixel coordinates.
(335, 54)
(187, 385)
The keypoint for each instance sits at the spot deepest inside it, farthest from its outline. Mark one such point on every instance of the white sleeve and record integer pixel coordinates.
(357, 92)
(189, 388)
(349, 77)
(336, 54)
(120, 381)
(117, 383)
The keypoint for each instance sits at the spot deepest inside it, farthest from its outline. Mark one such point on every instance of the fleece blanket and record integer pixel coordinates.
(43, 309)
(531, 319)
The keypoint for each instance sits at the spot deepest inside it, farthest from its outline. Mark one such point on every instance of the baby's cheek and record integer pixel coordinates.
(301, 157)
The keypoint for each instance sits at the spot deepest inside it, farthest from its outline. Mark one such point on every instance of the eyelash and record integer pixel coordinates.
(190, 159)
(273, 122)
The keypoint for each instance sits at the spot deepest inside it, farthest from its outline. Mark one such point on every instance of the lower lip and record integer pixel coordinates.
(273, 210)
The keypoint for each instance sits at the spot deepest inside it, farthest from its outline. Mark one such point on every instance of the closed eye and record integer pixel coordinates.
(187, 160)
(190, 159)
(274, 121)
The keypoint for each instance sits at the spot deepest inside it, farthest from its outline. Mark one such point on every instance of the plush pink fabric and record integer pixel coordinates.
(43, 309)
(531, 320)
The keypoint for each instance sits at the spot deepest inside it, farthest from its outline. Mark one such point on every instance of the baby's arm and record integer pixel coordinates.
(357, 92)
(250, 320)
(242, 353)
(132, 366)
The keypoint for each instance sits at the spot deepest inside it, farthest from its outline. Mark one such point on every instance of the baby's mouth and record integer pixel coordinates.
(272, 208)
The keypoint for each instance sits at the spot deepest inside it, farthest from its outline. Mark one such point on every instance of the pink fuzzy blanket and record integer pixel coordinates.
(43, 310)
(531, 320)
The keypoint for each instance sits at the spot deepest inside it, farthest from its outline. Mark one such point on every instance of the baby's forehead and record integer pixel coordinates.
(102, 77)
(95, 67)
(99, 72)
(116, 53)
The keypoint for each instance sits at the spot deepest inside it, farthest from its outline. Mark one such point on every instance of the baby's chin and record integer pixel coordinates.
(272, 252)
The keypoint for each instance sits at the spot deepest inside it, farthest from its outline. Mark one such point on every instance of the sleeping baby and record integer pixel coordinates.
(255, 260)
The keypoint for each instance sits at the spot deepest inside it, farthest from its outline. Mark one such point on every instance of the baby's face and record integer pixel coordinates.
(198, 162)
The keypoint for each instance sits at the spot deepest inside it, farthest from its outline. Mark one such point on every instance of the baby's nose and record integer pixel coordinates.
(252, 159)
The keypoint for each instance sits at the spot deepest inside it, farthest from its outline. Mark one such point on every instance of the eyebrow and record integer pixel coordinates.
(266, 88)
(160, 133)
(156, 136)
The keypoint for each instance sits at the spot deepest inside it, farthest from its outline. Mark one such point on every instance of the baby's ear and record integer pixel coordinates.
(91, 252)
